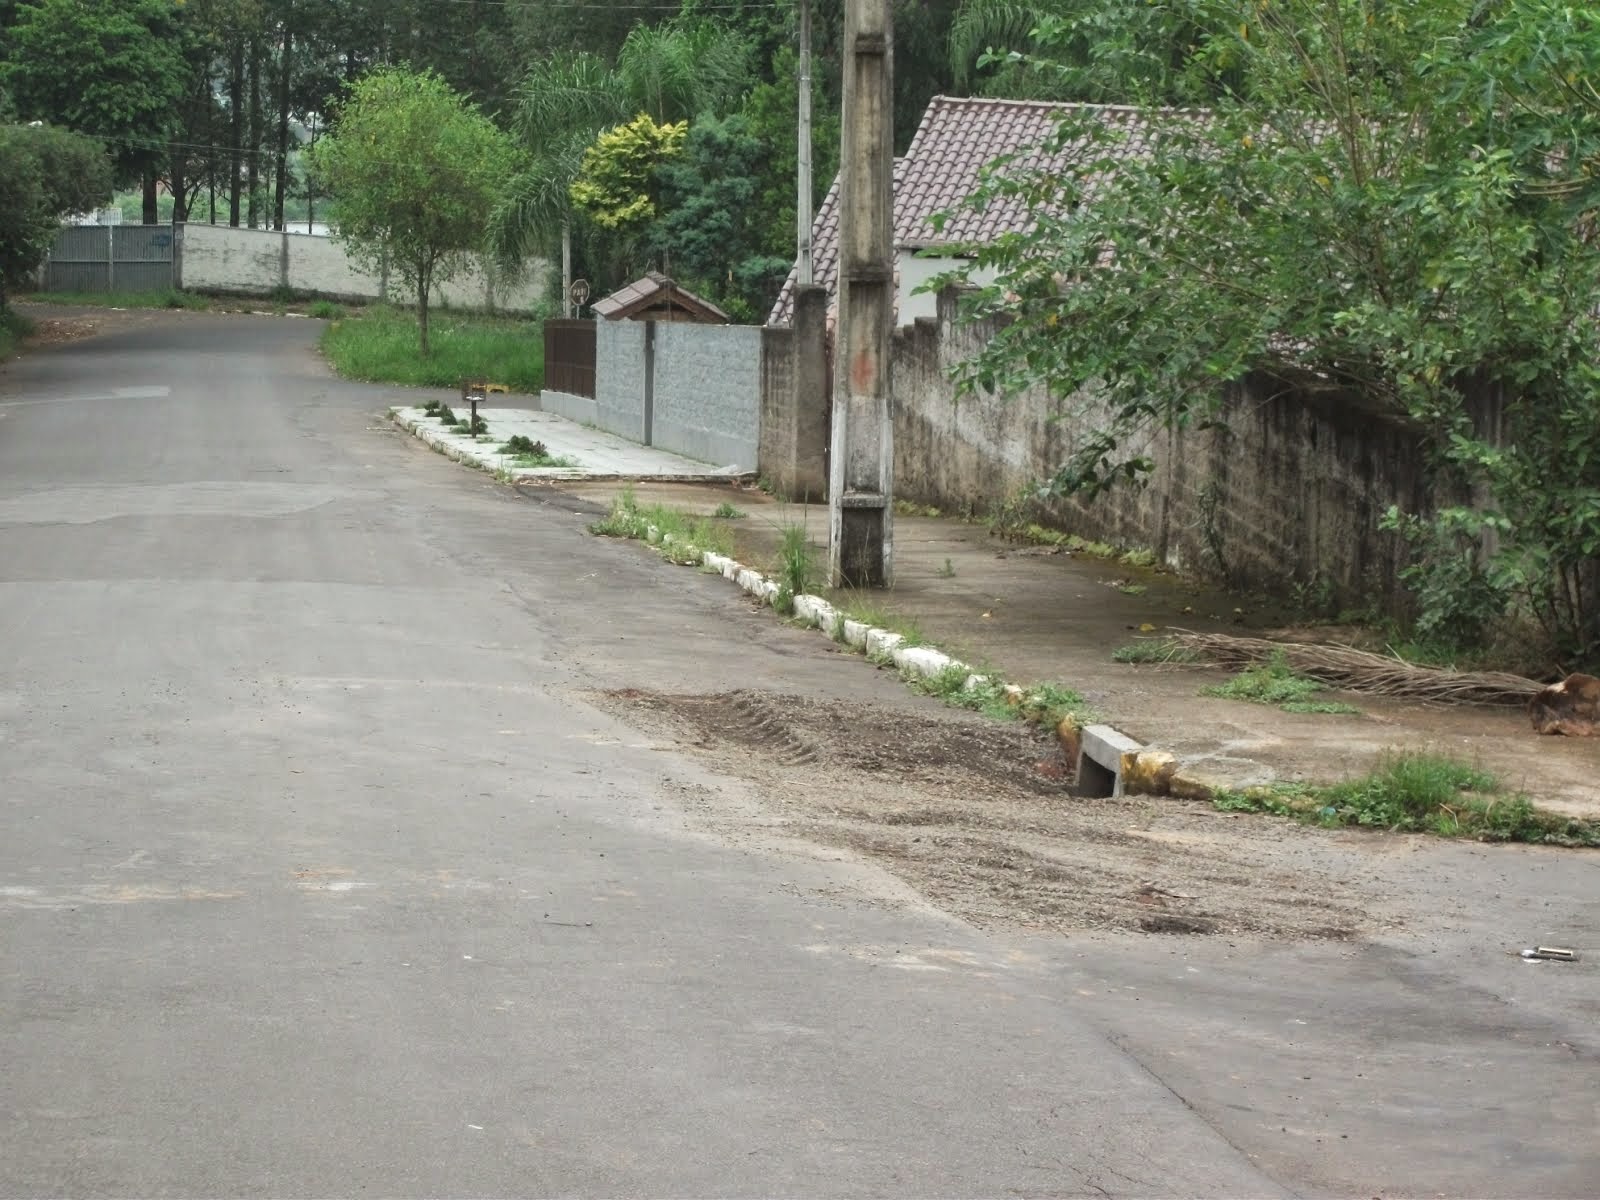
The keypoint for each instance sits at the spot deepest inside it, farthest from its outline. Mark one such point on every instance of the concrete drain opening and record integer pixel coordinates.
(1100, 761)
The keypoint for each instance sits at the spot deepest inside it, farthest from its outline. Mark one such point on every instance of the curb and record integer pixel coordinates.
(1117, 763)
(494, 463)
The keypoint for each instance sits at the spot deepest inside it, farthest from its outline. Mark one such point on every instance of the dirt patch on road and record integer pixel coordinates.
(978, 816)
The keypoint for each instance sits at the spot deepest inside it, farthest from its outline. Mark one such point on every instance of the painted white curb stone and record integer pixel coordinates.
(923, 660)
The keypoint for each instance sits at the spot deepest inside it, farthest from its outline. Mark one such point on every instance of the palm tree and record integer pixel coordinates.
(673, 72)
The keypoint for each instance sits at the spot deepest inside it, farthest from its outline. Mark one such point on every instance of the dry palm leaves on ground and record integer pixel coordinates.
(1352, 670)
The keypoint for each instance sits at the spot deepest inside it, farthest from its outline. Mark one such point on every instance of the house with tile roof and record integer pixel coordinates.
(958, 137)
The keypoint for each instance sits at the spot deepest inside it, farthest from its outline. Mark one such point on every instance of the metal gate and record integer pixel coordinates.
(110, 258)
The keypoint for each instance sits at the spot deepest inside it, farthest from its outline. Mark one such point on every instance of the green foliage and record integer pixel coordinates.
(679, 536)
(797, 563)
(416, 171)
(1396, 211)
(13, 328)
(380, 345)
(113, 69)
(1276, 683)
(1420, 793)
(711, 229)
(1153, 650)
(1044, 704)
(727, 512)
(45, 174)
(325, 310)
(617, 185)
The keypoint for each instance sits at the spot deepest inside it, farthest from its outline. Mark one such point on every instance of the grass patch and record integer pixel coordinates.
(1153, 650)
(325, 310)
(907, 509)
(679, 536)
(443, 413)
(1413, 792)
(727, 512)
(166, 298)
(858, 607)
(1130, 589)
(381, 345)
(1047, 704)
(13, 328)
(948, 571)
(1275, 683)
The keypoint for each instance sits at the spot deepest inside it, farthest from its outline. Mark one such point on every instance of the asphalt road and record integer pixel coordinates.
(320, 875)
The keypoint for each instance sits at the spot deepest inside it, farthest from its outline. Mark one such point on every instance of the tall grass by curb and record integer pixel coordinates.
(381, 346)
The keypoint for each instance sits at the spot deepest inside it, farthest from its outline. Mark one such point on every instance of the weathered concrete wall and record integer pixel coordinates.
(256, 262)
(575, 408)
(708, 392)
(795, 400)
(1290, 491)
(619, 378)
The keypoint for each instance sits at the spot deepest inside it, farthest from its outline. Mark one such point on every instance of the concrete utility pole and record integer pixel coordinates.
(803, 216)
(860, 484)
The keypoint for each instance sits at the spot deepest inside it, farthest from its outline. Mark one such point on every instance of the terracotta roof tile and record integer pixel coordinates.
(958, 137)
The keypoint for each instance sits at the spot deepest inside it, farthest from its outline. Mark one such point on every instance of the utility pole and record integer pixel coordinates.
(861, 470)
(803, 216)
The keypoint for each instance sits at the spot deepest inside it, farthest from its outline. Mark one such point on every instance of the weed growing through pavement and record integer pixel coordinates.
(948, 571)
(1274, 682)
(1414, 792)
(523, 451)
(727, 512)
(446, 415)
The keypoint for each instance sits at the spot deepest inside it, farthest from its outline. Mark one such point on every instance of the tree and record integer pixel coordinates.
(712, 232)
(415, 170)
(671, 73)
(113, 69)
(617, 186)
(45, 174)
(1396, 205)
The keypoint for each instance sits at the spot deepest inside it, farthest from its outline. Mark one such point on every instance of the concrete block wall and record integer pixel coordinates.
(619, 378)
(256, 262)
(1289, 492)
(708, 392)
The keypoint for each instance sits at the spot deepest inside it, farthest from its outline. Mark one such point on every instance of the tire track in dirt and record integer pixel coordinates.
(975, 815)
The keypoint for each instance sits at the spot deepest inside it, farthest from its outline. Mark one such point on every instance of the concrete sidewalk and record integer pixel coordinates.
(1043, 615)
(590, 453)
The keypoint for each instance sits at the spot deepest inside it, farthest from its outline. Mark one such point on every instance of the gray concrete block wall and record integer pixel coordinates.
(708, 392)
(619, 378)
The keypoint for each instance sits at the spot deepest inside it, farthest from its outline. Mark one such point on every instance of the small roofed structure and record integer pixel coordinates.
(657, 298)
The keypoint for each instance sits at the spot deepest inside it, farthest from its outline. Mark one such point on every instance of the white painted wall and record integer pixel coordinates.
(912, 272)
(257, 261)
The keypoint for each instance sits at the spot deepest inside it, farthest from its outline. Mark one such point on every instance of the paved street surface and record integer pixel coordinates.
(323, 871)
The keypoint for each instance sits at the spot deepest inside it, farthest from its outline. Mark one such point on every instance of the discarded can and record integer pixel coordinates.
(1553, 953)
